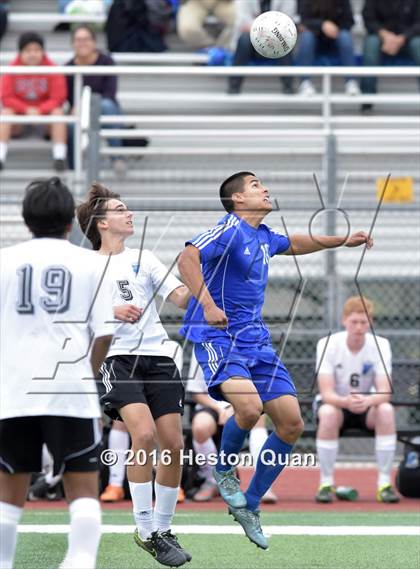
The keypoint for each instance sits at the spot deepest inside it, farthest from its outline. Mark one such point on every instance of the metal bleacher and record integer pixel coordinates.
(282, 138)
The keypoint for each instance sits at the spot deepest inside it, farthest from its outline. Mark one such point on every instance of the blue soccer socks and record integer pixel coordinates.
(232, 440)
(271, 461)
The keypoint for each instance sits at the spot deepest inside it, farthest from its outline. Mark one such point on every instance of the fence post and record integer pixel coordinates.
(92, 170)
(331, 261)
(77, 93)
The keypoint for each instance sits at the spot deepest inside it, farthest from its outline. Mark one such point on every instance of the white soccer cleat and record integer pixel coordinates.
(307, 89)
(352, 88)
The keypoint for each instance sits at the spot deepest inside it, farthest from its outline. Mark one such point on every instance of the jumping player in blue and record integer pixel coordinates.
(226, 269)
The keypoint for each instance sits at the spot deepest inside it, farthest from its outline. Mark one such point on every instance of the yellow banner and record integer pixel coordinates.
(398, 190)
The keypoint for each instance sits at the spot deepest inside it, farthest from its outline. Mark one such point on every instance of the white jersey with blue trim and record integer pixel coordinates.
(138, 278)
(54, 299)
(234, 259)
(354, 372)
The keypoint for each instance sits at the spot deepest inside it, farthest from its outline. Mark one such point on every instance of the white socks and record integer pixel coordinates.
(148, 521)
(385, 446)
(166, 498)
(59, 151)
(257, 438)
(327, 454)
(84, 535)
(141, 495)
(206, 448)
(9, 519)
(3, 151)
(118, 441)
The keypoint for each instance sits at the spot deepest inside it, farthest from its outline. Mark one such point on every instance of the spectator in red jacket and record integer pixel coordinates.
(34, 95)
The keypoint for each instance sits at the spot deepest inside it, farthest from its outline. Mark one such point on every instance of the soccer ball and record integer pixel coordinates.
(273, 34)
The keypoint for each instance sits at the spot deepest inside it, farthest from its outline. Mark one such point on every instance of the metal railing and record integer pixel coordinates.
(326, 122)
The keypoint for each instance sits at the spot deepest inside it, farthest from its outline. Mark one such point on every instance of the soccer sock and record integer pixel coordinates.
(257, 438)
(3, 151)
(232, 440)
(205, 449)
(142, 497)
(85, 533)
(9, 519)
(266, 473)
(385, 446)
(166, 498)
(59, 151)
(118, 441)
(327, 454)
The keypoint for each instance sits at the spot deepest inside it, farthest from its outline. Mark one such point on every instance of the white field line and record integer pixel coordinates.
(268, 530)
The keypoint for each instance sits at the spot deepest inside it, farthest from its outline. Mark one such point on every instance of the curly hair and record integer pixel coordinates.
(93, 210)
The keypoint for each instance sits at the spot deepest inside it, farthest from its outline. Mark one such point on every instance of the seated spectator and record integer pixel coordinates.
(34, 95)
(325, 28)
(208, 419)
(191, 20)
(3, 17)
(86, 53)
(354, 372)
(393, 29)
(246, 12)
(138, 25)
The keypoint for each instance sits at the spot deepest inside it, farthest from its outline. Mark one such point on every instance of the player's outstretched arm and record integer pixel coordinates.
(304, 244)
(99, 351)
(190, 269)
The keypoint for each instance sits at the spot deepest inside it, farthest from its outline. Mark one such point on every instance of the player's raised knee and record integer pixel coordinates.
(248, 414)
(294, 429)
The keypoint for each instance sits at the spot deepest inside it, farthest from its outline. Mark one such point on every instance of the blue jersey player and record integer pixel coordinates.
(226, 269)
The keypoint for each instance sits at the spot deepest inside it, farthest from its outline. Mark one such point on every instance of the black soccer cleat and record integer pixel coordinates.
(59, 165)
(173, 540)
(161, 549)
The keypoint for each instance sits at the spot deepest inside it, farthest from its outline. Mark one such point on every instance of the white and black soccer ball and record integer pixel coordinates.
(273, 34)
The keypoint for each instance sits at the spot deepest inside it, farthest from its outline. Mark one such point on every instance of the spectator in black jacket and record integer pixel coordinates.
(393, 29)
(325, 27)
(87, 53)
(3, 17)
(138, 25)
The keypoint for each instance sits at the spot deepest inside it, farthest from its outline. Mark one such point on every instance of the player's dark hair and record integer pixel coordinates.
(48, 207)
(232, 185)
(93, 210)
(86, 27)
(30, 37)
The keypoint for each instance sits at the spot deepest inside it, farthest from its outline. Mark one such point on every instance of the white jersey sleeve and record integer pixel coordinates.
(164, 282)
(324, 359)
(384, 356)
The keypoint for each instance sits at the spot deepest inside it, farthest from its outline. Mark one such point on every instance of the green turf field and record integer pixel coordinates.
(118, 551)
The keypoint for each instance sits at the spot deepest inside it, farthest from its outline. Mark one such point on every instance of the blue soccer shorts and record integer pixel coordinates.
(220, 360)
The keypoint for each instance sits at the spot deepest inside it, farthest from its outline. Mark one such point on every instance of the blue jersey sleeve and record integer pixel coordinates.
(278, 243)
(213, 243)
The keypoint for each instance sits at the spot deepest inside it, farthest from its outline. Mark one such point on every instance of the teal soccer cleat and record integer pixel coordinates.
(229, 488)
(250, 521)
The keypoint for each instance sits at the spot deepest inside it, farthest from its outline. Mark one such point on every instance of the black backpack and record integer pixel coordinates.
(408, 474)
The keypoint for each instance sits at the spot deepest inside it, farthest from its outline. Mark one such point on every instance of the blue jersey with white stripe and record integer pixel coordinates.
(234, 260)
